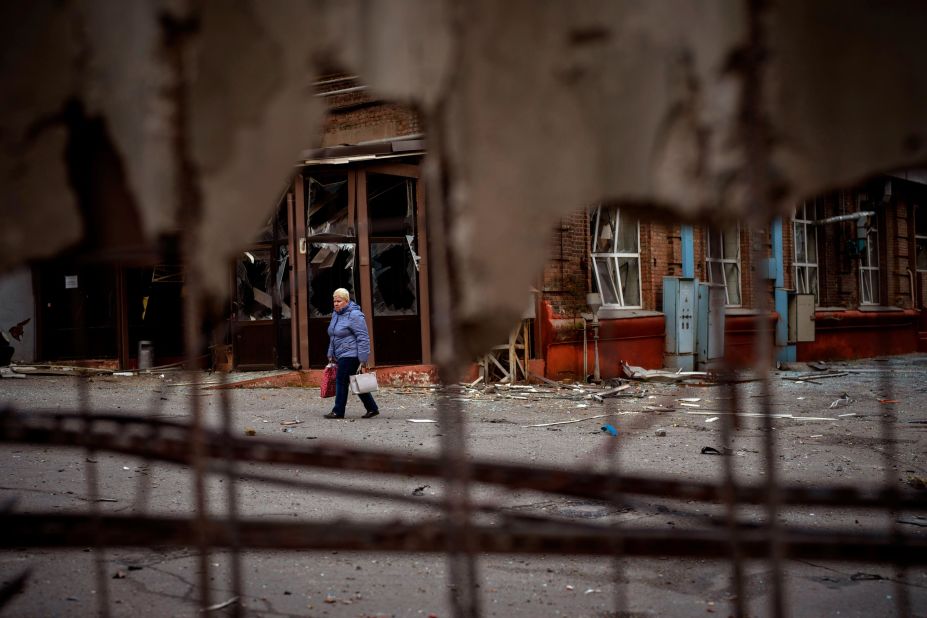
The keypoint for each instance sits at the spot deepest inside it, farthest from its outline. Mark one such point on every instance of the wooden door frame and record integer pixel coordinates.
(405, 170)
(357, 214)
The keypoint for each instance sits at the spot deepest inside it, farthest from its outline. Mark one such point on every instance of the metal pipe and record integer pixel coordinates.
(332, 93)
(838, 218)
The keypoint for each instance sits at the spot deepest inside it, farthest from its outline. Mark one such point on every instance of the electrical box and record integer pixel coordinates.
(801, 317)
(710, 330)
(679, 307)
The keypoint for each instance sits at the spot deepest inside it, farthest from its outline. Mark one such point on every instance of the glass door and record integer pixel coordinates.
(394, 267)
(331, 250)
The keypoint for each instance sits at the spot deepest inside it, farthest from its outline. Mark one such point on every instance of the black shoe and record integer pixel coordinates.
(371, 413)
(331, 415)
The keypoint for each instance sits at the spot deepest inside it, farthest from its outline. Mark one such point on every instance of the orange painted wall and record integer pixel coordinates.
(850, 334)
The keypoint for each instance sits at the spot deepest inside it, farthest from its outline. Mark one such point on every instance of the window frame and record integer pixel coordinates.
(800, 226)
(920, 240)
(615, 256)
(723, 260)
(870, 271)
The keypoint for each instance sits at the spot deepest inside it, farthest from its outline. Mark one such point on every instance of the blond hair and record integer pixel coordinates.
(342, 293)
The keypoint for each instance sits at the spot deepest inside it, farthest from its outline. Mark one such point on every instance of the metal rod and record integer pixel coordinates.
(131, 436)
(522, 537)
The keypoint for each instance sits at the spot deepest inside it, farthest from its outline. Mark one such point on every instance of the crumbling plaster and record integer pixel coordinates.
(532, 109)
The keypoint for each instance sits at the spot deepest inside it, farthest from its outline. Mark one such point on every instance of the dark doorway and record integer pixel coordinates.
(78, 311)
(261, 314)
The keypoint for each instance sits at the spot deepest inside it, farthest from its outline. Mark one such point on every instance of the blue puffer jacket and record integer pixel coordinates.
(347, 334)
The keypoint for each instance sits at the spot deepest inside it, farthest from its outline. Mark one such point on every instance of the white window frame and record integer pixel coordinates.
(727, 262)
(806, 272)
(613, 279)
(869, 264)
(920, 240)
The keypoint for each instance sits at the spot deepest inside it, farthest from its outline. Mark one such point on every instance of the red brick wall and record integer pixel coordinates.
(567, 274)
(357, 116)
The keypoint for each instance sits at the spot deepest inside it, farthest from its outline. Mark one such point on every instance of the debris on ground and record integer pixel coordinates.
(119, 575)
(660, 433)
(576, 420)
(633, 372)
(710, 450)
(843, 402)
(218, 606)
(250, 431)
(609, 429)
(293, 422)
(917, 482)
(420, 491)
(9, 372)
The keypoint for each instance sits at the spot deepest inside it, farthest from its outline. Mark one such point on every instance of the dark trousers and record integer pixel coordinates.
(346, 368)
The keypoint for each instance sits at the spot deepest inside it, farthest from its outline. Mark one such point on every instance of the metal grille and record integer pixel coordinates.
(464, 527)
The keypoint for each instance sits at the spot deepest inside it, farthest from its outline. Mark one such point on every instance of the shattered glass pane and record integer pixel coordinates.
(604, 240)
(390, 205)
(921, 249)
(331, 266)
(394, 279)
(715, 273)
(731, 239)
(732, 281)
(327, 205)
(812, 244)
(629, 269)
(812, 283)
(865, 292)
(253, 299)
(627, 238)
(276, 225)
(800, 252)
(282, 282)
(606, 275)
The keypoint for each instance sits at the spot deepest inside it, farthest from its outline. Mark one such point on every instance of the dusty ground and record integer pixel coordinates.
(161, 583)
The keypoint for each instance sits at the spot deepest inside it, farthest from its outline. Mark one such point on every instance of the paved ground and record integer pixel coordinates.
(161, 583)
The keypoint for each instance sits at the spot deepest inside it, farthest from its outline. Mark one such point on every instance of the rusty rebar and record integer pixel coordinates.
(44, 428)
(56, 530)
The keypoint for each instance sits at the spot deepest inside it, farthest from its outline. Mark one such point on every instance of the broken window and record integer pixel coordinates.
(868, 262)
(255, 285)
(395, 282)
(920, 237)
(282, 281)
(390, 205)
(616, 257)
(722, 260)
(393, 259)
(806, 249)
(327, 205)
(331, 266)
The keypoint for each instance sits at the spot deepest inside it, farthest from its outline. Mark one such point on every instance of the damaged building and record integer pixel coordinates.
(846, 274)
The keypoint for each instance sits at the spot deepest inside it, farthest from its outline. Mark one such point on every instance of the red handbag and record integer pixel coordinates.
(327, 387)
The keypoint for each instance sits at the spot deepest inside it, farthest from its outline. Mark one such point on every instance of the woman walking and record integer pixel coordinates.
(349, 346)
